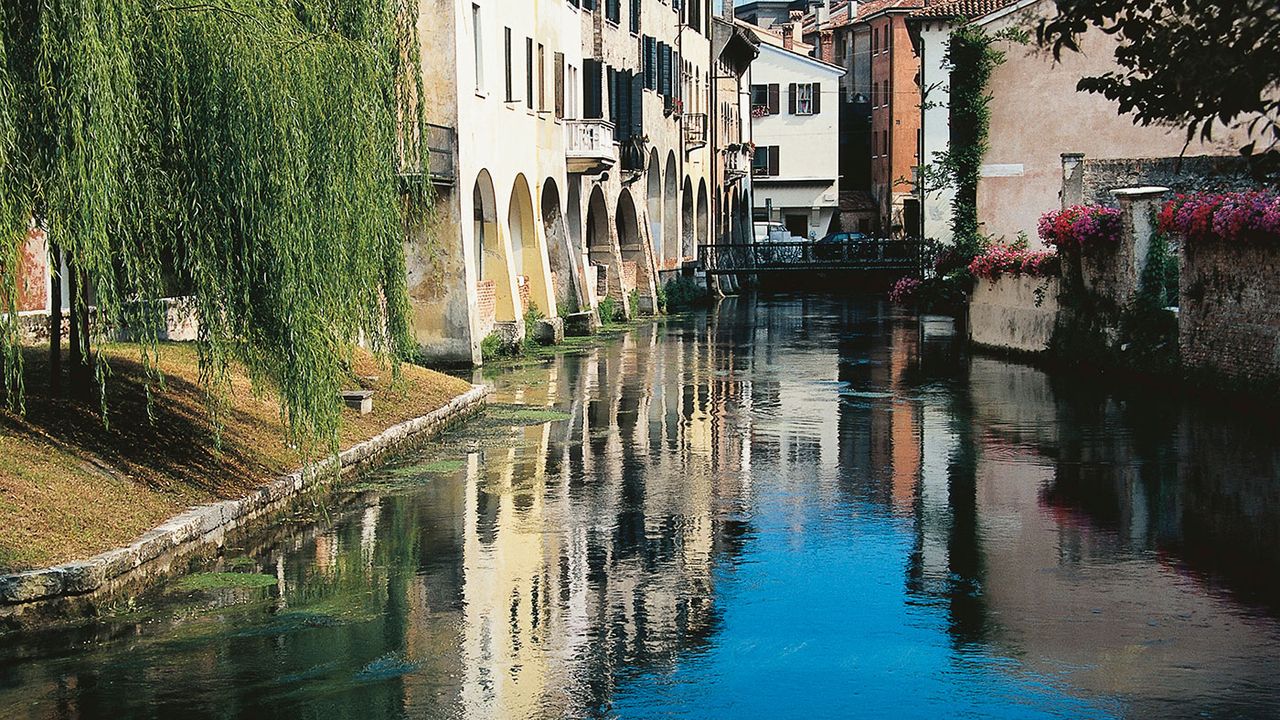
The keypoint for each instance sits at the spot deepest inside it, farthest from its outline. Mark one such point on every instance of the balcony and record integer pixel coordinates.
(588, 147)
(737, 162)
(695, 130)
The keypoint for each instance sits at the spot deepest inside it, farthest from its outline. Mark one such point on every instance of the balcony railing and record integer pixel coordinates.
(589, 146)
(695, 130)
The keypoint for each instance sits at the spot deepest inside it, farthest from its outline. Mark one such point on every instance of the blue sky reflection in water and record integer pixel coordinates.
(787, 508)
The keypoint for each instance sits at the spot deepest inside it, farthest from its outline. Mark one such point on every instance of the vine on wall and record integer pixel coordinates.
(264, 155)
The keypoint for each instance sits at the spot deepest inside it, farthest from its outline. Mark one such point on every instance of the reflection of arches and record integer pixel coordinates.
(655, 206)
(559, 252)
(704, 212)
(688, 235)
(490, 250)
(524, 243)
(671, 215)
(635, 266)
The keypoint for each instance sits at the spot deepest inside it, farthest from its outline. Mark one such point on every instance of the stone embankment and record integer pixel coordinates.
(81, 587)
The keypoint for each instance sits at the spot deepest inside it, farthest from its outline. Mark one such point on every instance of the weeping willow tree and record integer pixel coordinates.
(253, 152)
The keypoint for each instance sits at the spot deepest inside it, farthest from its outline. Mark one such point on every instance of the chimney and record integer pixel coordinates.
(793, 32)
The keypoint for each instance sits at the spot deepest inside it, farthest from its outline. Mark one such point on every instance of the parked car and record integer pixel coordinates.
(767, 232)
(831, 247)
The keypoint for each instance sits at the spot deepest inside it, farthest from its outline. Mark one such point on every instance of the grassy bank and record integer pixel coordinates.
(70, 487)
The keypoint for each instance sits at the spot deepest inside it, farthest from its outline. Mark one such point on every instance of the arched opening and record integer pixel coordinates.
(732, 229)
(599, 252)
(655, 206)
(559, 253)
(635, 266)
(689, 236)
(493, 282)
(671, 216)
(531, 266)
(704, 213)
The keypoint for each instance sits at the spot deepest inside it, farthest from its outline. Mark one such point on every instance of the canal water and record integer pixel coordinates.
(792, 507)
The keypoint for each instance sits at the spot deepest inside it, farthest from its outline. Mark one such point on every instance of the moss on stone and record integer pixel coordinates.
(224, 580)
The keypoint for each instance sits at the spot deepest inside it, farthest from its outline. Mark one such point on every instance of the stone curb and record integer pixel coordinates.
(207, 522)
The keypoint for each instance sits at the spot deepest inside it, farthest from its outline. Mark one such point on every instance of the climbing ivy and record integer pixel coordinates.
(262, 155)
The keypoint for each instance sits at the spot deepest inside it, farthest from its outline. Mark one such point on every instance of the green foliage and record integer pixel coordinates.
(531, 318)
(633, 301)
(225, 580)
(1173, 56)
(252, 148)
(972, 59)
(682, 293)
(495, 346)
(610, 311)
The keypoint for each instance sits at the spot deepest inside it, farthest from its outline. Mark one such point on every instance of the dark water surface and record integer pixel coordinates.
(786, 508)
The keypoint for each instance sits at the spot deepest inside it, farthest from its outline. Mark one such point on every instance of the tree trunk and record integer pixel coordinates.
(86, 359)
(55, 321)
(73, 351)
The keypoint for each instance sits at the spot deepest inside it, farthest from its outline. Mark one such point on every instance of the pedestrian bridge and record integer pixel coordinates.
(868, 254)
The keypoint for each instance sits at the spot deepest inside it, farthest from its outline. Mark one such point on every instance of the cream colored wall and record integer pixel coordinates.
(1037, 114)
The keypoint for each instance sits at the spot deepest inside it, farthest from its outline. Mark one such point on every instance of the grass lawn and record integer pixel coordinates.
(71, 487)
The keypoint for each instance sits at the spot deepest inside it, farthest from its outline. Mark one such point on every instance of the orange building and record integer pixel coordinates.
(895, 112)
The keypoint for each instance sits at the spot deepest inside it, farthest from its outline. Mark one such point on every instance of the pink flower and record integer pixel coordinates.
(1080, 226)
(1001, 259)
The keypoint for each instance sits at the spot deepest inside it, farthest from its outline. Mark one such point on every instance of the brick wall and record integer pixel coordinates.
(522, 286)
(486, 306)
(629, 271)
(1229, 318)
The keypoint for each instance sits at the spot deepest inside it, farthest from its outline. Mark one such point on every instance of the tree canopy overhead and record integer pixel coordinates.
(1186, 63)
(248, 151)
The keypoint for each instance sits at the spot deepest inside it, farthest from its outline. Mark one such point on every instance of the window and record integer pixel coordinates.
(542, 78)
(635, 16)
(478, 47)
(764, 163)
(528, 72)
(560, 88)
(506, 37)
(650, 49)
(759, 97)
(613, 11)
(804, 99)
(571, 106)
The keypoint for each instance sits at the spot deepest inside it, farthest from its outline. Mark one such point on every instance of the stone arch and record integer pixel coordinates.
(559, 248)
(599, 244)
(529, 257)
(656, 216)
(689, 232)
(671, 215)
(493, 279)
(704, 213)
(636, 273)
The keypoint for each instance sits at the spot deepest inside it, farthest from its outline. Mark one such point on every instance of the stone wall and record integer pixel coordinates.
(1229, 318)
(1092, 181)
(1014, 312)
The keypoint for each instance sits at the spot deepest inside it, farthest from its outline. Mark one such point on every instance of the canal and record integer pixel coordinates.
(793, 507)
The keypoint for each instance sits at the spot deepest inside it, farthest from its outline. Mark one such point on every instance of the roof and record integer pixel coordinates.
(968, 9)
(845, 13)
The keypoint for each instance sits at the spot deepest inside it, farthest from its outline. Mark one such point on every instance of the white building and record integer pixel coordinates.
(795, 126)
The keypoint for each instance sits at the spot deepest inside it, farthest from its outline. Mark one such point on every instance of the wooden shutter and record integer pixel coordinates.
(666, 81)
(817, 98)
(589, 4)
(592, 105)
(773, 159)
(773, 99)
(791, 99)
(559, 85)
(635, 16)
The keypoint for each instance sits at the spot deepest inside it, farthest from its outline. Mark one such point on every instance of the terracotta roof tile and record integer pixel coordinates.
(969, 9)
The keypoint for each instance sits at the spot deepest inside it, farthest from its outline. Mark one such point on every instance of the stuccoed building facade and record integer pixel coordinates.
(795, 126)
(572, 157)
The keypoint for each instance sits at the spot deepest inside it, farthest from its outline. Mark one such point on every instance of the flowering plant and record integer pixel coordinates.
(1080, 226)
(1228, 216)
(1002, 259)
(904, 291)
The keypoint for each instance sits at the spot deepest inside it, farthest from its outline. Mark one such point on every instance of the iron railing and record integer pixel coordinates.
(867, 254)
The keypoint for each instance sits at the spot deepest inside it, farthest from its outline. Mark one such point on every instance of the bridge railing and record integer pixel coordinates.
(866, 254)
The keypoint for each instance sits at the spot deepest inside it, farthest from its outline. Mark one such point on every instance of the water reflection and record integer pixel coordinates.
(798, 507)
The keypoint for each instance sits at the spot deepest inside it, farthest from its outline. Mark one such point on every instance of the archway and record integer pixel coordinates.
(671, 216)
(704, 213)
(636, 274)
(599, 250)
(530, 261)
(559, 252)
(655, 206)
(688, 234)
(493, 281)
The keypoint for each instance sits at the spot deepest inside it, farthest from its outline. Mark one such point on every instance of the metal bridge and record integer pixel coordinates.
(869, 254)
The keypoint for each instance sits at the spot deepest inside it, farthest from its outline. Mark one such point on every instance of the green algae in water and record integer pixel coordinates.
(239, 562)
(386, 667)
(524, 414)
(224, 580)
